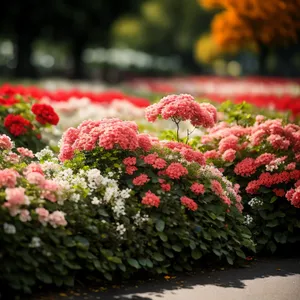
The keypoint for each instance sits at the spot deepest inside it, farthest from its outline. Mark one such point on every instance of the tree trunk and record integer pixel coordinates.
(77, 48)
(263, 55)
(24, 50)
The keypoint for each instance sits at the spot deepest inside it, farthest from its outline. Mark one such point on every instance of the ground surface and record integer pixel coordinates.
(265, 279)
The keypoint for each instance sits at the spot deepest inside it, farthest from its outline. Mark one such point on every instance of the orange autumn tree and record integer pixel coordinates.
(263, 22)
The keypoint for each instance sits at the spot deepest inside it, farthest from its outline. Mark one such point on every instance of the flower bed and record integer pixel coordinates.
(264, 159)
(118, 202)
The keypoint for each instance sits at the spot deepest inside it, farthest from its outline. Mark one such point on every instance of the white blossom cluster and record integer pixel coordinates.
(9, 228)
(255, 202)
(248, 220)
(46, 153)
(139, 219)
(120, 229)
(35, 242)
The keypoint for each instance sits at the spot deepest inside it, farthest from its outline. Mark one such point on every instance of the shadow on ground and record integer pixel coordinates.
(226, 278)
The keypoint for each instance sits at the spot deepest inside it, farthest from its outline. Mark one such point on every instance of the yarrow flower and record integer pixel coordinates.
(246, 167)
(151, 199)
(129, 161)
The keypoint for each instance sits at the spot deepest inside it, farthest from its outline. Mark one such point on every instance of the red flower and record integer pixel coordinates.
(16, 124)
(44, 114)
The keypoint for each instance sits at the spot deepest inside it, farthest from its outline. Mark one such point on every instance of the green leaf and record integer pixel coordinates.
(157, 256)
(149, 263)
(272, 247)
(163, 236)
(108, 276)
(229, 260)
(176, 248)
(82, 242)
(196, 254)
(273, 199)
(168, 253)
(280, 237)
(69, 281)
(44, 277)
(273, 223)
(143, 262)
(217, 252)
(133, 262)
(114, 259)
(160, 225)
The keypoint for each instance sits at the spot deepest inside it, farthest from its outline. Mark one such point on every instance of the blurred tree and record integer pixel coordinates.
(266, 23)
(163, 27)
(76, 23)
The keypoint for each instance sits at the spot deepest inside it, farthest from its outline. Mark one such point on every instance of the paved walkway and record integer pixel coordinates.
(265, 279)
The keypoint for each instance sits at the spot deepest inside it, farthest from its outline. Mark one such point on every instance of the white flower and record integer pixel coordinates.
(120, 229)
(255, 202)
(9, 228)
(139, 220)
(96, 201)
(248, 220)
(35, 242)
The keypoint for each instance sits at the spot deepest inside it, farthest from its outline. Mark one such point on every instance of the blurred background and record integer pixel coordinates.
(113, 41)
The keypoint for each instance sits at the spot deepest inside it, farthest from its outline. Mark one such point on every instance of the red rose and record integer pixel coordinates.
(16, 124)
(44, 114)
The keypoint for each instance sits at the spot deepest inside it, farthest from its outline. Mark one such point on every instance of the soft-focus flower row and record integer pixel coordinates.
(280, 94)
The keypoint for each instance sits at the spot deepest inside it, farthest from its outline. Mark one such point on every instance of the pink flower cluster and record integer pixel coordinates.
(107, 133)
(186, 151)
(141, 179)
(181, 108)
(197, 188)
(55, 219)
(25, 152)
(5, 142)
(150, 199)
(189, 203)
(219, 191)
(8, 178)
(176, 170)
(267, 179)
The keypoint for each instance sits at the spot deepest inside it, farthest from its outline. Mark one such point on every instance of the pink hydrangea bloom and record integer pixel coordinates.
(229, 155)
(57, 218)
(193, 156)
(278, 142)
(165, 187)
(131, 169)
(189, 203)
(33, 167)
(43, 215)
(159, 163)
(150, 158)
(197, 188)
(15, 197)
(151, 199)
(8, 178)
(141, 179)
(24, 215)
(217, 187)
(25, 152)
(212, 154)
(264, 159)
(12, 158)
(35, 178)
(144, 142)
(279, 192)
(5, 142)
(66, 152)
(229, 142)
(129, 161)
(246, 167)
(182, 107)
(291, 166)
(176, 170)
